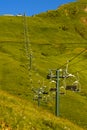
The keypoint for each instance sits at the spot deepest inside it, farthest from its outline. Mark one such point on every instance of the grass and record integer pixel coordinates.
(54, 38)
(17, 114)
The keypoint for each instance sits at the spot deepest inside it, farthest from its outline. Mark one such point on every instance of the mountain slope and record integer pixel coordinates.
(54, 37)
(16, 113)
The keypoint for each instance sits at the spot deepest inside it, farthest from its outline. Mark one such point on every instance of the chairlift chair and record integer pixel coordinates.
(52, 89)
(71, 87)
(62, 90)
(45, 92)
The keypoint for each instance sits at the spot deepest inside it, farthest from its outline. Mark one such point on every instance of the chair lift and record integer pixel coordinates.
(52, 88)
(70, 76)
(62, 90)
(77, 83)
(75, 86)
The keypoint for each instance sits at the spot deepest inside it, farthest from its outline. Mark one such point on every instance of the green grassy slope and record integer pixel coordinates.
(18, 114)
(54, 37)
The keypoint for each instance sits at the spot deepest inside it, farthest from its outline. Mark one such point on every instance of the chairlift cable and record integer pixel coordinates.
(77, 55)
(26, 33)
(72, 58)
(27, 44)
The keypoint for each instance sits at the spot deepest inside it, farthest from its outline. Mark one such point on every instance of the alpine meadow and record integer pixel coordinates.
(32, 48)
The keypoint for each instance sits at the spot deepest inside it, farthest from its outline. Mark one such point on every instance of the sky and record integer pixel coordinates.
(30, 7)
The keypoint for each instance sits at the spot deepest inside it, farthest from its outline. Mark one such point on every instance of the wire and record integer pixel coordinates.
(72, 58)
(77, 55)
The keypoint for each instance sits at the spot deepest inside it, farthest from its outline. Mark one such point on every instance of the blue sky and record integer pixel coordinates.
(30, 7)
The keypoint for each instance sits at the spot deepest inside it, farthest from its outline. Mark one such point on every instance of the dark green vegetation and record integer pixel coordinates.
(54, 37)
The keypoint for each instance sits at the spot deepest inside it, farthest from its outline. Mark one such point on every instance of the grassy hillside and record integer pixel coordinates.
(54, 37)
(20, 114)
